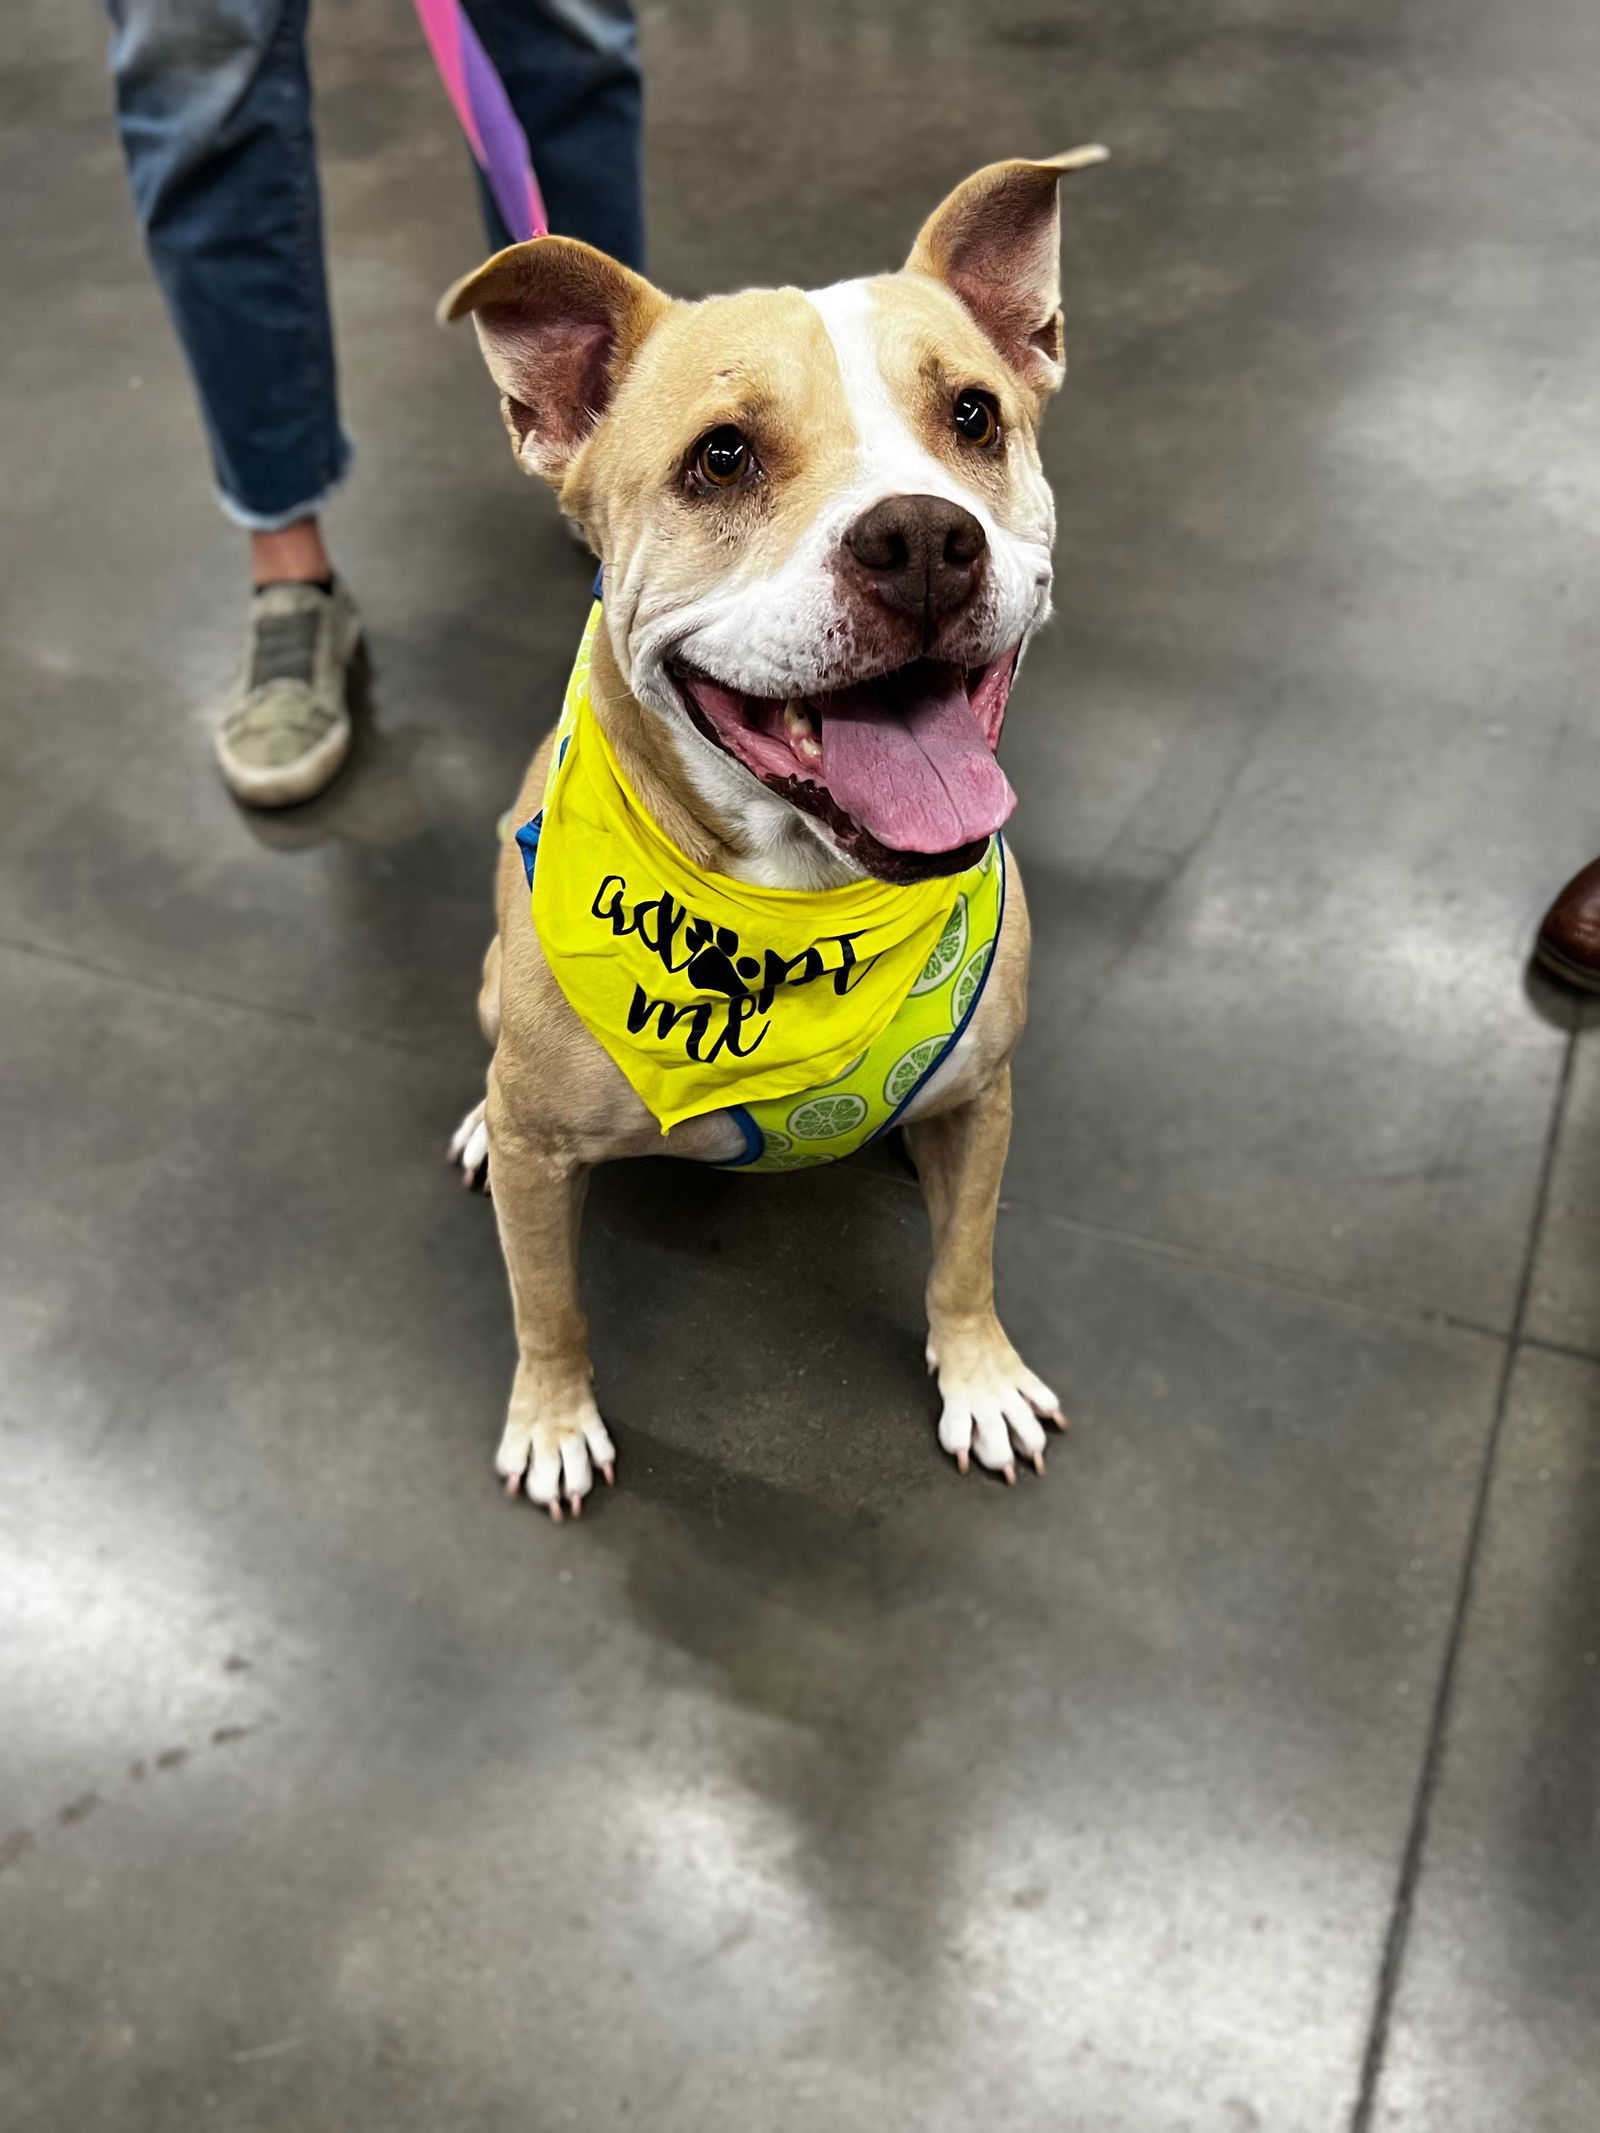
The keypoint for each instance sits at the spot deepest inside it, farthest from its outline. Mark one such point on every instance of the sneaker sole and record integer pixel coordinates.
(1574, 974)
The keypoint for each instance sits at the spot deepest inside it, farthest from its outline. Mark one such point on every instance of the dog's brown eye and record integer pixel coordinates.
(976, 417)
(723, 457)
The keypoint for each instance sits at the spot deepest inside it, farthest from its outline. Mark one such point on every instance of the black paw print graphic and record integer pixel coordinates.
(713, 964)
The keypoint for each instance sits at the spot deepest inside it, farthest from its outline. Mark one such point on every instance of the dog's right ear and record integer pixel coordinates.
(558, 323)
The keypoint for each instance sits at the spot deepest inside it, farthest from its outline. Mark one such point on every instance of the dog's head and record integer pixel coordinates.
(825, 529)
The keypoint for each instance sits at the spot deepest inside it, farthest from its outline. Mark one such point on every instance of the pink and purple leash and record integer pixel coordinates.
(487, 119)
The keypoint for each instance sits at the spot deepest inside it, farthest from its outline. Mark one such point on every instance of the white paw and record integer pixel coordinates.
(469, 1150)
(992, 1407)
(555, 1460)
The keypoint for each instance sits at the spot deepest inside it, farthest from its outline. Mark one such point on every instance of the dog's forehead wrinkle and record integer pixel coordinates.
(890, 457)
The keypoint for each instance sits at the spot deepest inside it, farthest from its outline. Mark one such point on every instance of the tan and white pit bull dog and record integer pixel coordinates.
(793, 493)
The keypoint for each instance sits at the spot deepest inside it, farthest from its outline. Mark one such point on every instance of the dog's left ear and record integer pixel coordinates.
(996, 241)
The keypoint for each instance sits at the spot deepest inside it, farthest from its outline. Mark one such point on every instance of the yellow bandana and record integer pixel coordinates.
(706, 991)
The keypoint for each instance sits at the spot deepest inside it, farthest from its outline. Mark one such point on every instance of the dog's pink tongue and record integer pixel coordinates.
(907, 757)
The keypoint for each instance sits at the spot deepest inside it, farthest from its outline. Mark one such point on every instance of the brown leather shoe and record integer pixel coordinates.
(1569, 940)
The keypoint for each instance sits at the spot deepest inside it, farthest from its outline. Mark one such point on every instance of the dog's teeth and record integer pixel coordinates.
(801, 729)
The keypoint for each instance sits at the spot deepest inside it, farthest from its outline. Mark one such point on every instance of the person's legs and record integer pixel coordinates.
(214, 109)
(571, 70)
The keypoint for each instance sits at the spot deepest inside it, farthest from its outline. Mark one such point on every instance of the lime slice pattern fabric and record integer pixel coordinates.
(946, 952)
(971, 979)
(910, 1067)
(839, 1116)
(824, 1118)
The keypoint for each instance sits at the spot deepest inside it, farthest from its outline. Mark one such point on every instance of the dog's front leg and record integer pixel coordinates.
(554, 1437)
(991, 1398)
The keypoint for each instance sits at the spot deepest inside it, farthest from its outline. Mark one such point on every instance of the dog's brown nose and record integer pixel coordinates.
(920, 553)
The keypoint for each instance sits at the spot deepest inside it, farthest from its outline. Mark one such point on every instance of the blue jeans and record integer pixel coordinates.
(214, 108)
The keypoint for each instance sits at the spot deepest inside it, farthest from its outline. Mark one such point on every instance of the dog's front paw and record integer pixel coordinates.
(992, 1401)
(469, 1150)
(554, 1456)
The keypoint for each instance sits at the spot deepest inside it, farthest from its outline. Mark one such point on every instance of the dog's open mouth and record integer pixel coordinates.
(901, 768)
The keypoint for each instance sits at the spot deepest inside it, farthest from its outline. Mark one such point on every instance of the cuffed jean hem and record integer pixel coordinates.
(278, 521)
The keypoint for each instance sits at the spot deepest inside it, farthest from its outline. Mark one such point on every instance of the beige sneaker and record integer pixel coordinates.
(287, 730)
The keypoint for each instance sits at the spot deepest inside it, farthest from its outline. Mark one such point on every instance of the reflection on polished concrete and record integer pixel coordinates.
(1238, 1776)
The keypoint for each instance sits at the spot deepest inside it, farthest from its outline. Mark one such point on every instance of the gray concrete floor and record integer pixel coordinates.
(1241, 1775)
